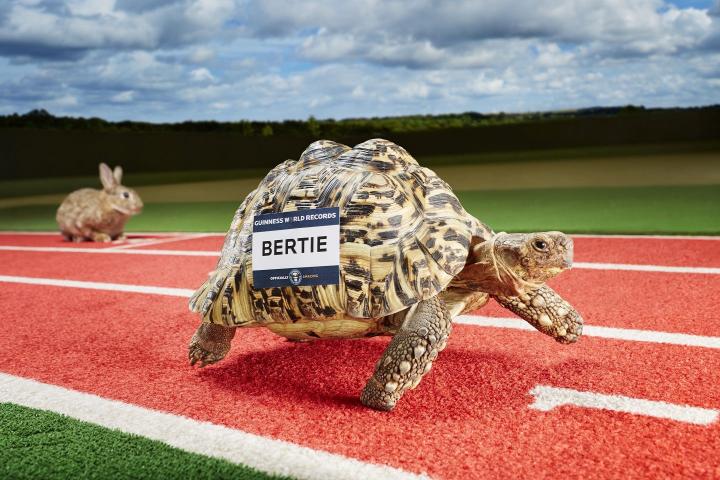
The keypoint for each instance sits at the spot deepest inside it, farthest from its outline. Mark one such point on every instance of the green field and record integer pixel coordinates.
(671, 189)
(670, 210)
(39, 444)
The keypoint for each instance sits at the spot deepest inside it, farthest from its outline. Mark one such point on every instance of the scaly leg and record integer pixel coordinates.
(409, 356)
(210, 343)
(545, 310)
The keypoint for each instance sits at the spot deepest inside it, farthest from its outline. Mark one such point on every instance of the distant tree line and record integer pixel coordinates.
(38, 144)
(313, 127)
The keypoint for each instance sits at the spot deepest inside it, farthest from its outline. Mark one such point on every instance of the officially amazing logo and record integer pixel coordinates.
(295, 276)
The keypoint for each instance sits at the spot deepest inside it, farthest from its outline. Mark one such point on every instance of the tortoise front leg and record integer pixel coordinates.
(210, 343)
(547, 311)
(409, 356)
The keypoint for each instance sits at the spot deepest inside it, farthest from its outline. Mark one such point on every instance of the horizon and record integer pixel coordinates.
(600, 108)
(169, 61)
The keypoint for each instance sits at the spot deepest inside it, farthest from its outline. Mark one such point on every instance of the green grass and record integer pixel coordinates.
(38, 444)
(642, 210)
(669, 210)
(577, 154)
(43, 186)
(156, 217)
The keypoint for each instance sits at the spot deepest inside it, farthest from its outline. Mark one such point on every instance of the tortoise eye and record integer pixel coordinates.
(540, 245)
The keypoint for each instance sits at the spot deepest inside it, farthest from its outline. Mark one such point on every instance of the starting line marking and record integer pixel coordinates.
(157, 241)
(650, 336)
(269, 455)
(548, 398)
(132, 250)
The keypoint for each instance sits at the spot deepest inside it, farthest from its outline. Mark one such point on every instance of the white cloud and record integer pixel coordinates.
(483, 86)
(63, 101)
(641, 25)
(124, 97)
(201, 75)
(201, 54)
(44, 30)
(550, 55)
(138, 69)
(179, 59)
(91, 7)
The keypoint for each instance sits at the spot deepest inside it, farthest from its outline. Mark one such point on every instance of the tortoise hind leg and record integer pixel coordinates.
(409, 355)
(210, 343)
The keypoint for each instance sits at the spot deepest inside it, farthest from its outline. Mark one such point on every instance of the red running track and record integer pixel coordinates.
(680, 252)
(164, 271)
(468, 418)
(206, 244)
(674, 302)
(650, 251)
(56, 240)
(647, 251)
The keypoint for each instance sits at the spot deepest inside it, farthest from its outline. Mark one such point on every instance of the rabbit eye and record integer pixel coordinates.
(126, 194)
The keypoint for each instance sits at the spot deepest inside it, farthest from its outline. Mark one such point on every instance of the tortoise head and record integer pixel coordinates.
(512, 263)
(535, 257)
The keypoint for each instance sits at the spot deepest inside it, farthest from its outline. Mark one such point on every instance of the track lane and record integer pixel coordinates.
(31, 240)
(176, 272)
(56, 240)
(641, 251)
(205, 244)
(648, 251)
(470, 416)
(672, 302)
(671, 251)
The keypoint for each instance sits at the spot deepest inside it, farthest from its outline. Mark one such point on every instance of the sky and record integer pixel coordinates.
(175, 60)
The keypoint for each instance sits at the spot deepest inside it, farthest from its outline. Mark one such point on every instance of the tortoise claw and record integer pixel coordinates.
(197, 354)
(210, 344)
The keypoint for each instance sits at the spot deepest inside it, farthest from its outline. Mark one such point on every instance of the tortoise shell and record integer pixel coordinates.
(403, 237)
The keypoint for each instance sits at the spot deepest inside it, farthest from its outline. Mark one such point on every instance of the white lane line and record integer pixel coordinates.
(632, 335)
(222, 234)
(646, 268)
(129, 249)
(154, 234)
(113, 287)
(649, 336)
(269, 455)
(187, 253)
(158, 241)
(639, 236)
(548, 398)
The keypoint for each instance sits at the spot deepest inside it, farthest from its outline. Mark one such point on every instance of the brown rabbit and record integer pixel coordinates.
(98, 215)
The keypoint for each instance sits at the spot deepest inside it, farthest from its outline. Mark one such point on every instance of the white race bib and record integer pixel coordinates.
(296, 248)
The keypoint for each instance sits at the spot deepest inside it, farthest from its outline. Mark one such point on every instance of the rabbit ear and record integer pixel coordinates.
(117, 173)
(106, 177)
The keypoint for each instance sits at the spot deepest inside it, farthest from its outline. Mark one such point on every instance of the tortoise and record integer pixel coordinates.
(411, 259)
